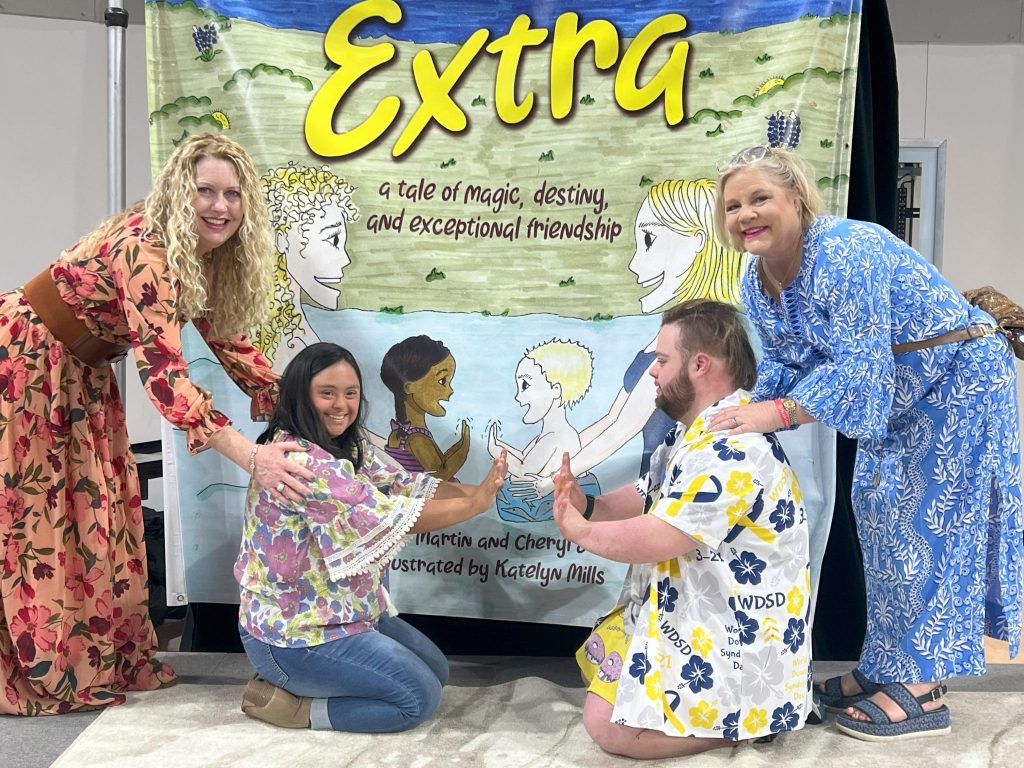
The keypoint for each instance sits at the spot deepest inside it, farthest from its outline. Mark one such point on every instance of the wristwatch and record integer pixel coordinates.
(790, 405)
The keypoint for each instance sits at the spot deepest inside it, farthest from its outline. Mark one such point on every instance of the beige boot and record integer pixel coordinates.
(274, 705)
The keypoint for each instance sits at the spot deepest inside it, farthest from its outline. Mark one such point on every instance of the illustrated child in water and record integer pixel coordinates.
(551, 378)
(419, 372)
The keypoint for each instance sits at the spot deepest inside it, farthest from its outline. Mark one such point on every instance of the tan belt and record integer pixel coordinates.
(46, 301)
(960, 334)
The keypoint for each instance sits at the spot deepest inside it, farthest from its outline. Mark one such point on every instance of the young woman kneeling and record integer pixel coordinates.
(316, 620)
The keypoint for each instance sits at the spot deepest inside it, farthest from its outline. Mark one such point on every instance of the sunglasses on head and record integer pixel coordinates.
(746, 157)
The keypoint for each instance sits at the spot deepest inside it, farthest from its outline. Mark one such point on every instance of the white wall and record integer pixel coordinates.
(53, 151)
(973, 97)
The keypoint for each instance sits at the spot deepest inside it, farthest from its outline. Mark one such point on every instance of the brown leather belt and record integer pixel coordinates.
(46, 301)
(960, 334)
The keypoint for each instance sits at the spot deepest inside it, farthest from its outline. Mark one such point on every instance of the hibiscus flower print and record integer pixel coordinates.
(667, 596)
(776, 447)
(732, 724)
(762, 674)
(794, 635)
(747, 628)
(756, 720)
(795, 601)
(698, 674)
(726, 452)
(784, 718)
(783, 516)
(639, 667)
(740, 483)
(701, 641)
(703, 715)
(747, 568)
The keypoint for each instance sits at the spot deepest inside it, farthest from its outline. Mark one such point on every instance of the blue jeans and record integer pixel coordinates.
(372, 682)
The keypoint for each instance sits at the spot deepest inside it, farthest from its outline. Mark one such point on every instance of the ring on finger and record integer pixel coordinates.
(279, 487)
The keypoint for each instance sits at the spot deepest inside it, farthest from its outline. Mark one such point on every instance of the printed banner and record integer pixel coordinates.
(490, 204)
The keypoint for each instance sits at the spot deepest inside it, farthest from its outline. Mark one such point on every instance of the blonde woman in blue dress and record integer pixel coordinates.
(860, 333)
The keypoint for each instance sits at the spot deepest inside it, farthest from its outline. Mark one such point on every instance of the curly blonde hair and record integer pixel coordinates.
(294, 194)
(237, 297)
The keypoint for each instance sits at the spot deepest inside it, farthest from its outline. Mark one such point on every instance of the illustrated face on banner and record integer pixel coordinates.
(662, 258)
(317, 257)
(533, 391)
(427, 394)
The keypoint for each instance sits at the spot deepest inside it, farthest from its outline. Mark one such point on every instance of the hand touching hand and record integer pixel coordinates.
(569, 504)
(492, 483)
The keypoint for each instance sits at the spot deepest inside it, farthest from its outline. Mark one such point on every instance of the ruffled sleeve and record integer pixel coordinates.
(851, 391)
(398, 481)
(357, 527)
(148, 295)
(246, 366)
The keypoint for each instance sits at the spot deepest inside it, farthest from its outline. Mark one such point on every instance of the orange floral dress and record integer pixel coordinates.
(74, 623)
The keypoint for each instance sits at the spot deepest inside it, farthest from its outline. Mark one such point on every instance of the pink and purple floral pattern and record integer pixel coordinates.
(313, 571)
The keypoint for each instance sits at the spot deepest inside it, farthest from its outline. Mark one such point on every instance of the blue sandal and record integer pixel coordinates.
(917, 725)
(832, 697)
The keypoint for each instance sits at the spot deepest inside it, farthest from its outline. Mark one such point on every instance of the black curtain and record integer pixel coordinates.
(874, 166)
(840, 619)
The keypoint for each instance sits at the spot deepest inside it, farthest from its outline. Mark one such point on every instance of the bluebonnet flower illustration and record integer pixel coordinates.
(784, 130)
(640, 667)
(784, 718)
(726, 452)
(732, 725)
(794, 634)
(667, 596)
(748, 628)
(783, 515)
(205, 38)
(747, 568)
(698, 674)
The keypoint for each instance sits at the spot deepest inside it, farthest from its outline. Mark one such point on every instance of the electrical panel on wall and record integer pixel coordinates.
(920, 189)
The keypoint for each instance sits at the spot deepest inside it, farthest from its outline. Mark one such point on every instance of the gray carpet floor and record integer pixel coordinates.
(37, 742)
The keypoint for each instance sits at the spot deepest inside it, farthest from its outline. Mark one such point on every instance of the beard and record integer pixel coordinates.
(677, 396)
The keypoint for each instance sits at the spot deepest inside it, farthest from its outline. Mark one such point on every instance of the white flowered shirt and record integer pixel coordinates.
(721, 645)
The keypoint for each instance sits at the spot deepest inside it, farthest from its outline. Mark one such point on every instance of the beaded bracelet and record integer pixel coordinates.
(783, 413)
(252, 458)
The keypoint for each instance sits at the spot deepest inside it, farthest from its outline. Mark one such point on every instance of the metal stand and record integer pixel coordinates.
(117, 22)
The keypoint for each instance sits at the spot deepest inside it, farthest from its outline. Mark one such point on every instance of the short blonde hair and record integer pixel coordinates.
(687, 207)
(783, 168)
(568, 364)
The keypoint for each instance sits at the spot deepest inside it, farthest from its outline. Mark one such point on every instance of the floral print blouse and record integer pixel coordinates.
(313, 571)
(125, 293)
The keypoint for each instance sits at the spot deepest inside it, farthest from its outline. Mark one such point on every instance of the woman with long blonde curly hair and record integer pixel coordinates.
(74, 624)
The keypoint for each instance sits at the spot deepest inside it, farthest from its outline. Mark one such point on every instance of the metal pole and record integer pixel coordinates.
(117, 22)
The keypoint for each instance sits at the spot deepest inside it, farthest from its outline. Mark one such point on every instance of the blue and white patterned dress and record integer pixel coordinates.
(936, 487)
